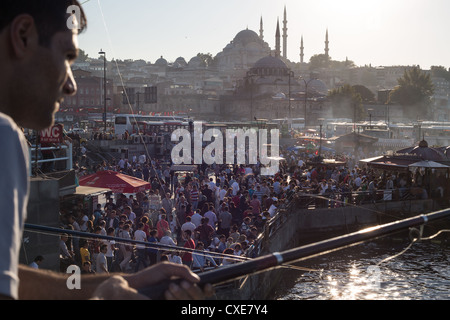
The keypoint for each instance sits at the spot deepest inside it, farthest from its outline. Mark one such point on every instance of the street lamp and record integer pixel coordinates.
(291, 74)
(306, 92)
(370, 118)
(104, 85)
(321, 120)
(251, 75)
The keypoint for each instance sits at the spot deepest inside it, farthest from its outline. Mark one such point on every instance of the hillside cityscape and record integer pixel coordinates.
(248, 79)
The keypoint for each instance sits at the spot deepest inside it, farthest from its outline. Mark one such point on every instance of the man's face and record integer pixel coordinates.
(48, 79)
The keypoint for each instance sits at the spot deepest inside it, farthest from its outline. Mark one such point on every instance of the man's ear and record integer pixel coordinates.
(23, 34)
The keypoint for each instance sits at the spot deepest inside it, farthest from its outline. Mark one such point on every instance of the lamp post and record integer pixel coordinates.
(370, 118)
(104, 86)
(291, 74)
(306, 93)
(250, 76)
(321, 120)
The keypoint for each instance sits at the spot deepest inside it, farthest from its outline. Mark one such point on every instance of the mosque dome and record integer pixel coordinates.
(246, 36)
(270, 62)
(315, 86)
(270, 66)
(161, 62)
(196, 62)
(180, 61)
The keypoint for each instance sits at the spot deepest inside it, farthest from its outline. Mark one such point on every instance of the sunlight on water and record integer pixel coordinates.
(422, 273)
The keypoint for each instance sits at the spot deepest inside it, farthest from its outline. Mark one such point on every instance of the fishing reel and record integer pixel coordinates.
(416, 234)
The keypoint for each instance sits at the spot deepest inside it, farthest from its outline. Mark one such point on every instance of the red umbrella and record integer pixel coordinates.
(117, 182)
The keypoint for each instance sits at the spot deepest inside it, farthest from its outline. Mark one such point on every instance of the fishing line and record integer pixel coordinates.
(289, 203)
(145, 146)
(125, 92)
(414, 240)
(416, 236)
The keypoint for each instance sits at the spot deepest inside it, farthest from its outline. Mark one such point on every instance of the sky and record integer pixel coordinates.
(375, 32)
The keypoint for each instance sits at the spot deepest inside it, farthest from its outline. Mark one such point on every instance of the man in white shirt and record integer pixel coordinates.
(273, 209)
(102, 263)
(201, 258)
(142, 159)
(212, 218)
(212, 185)
(235, 187)
(167, 239)
(140, 235)
(36, 262)
(38, 45)
(111, 248)
(222, 193)
(196, 219)
(188, 225)
(121, 164)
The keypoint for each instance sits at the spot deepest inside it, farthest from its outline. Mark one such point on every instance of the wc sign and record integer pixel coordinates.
(53, 134)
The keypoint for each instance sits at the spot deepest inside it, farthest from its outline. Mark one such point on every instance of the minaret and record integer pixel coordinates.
(261, 30)
(301, 50)
(277, 40)
(285, 34)
(327, 50)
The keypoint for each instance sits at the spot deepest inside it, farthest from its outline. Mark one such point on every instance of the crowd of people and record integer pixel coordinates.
(221, 208)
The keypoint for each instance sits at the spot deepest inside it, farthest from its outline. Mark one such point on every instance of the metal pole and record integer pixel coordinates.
(290, 113)
(104, 87)
(320, 145)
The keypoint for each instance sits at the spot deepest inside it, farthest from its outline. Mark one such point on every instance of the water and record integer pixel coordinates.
(421, 273)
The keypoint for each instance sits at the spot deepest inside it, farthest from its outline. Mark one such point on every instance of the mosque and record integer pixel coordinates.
(247, 79)
(248, 50)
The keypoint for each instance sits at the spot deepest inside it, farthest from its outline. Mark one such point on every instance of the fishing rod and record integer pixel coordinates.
(271, 261)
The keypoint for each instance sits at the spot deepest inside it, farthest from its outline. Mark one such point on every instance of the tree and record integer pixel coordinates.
(367, 96)
(414, 92)
(441, 72)
(207, 58)
(322, 61)
(82, 55)
(319, 61)
(347, 103)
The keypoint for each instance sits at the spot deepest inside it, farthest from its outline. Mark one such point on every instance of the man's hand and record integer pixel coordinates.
(126, 287)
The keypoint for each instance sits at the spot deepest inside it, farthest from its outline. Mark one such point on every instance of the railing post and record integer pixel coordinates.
(69, 155)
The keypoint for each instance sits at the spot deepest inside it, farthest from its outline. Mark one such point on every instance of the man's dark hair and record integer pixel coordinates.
(50, 16)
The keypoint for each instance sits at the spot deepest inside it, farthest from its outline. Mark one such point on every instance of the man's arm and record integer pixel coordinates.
(39, 284)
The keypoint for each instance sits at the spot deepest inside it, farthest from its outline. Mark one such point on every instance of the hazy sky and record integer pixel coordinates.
(377, 32)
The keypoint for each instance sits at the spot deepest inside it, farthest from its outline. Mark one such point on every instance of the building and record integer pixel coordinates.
(89, 97)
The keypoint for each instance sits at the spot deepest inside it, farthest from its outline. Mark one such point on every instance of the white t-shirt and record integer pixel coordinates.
(14, 189)
(167, 240)
(140, 235)
(196, 219)
(101, 260)
(188, 226)
(272, 210)
(110, 244)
